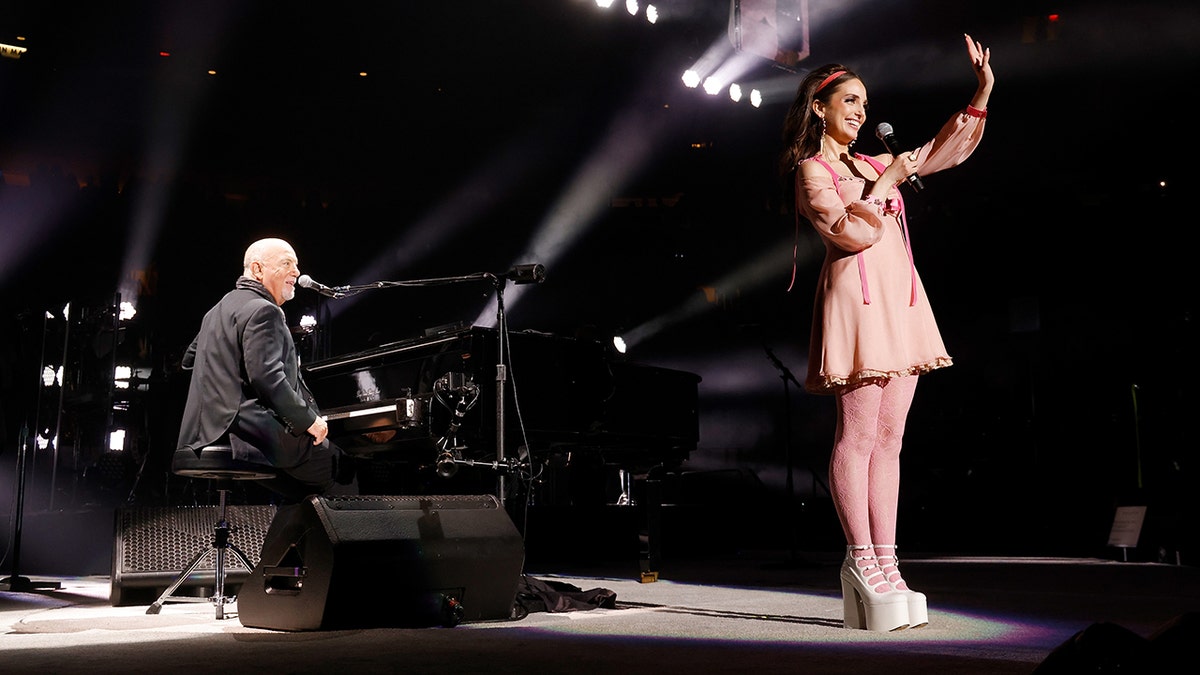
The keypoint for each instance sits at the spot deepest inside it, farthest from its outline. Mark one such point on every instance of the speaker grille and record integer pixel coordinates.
(154, 544)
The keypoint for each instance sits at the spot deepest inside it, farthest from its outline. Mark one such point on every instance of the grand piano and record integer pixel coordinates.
(577, 424)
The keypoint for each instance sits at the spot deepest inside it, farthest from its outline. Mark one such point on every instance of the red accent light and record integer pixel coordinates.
(164, 53)
(1052, 18)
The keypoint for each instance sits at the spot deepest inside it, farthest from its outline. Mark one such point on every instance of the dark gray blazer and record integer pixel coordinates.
(246, 382)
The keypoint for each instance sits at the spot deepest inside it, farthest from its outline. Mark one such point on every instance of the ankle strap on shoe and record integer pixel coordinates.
(851, 552)
(887, 556)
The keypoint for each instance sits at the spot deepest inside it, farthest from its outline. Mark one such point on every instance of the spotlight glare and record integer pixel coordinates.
(755, 98)
(604, 4)
(735, 92)
(631, 6)
(116, 440)
(711, 86)
(619, 344)
(651, 13)
(691, 79)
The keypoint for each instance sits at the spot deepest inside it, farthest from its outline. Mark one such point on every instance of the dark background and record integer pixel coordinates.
(1056, 258)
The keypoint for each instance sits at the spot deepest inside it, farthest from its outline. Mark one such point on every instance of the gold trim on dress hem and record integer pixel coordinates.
(831, 384)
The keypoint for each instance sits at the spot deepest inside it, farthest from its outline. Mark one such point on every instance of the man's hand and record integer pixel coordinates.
(319, 430)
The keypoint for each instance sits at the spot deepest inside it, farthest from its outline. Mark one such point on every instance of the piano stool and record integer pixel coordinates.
(213, 462)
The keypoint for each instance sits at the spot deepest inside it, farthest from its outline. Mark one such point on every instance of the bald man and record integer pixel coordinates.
(246, 382)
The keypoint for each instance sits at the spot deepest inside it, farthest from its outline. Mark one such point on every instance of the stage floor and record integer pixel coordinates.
(768, 613)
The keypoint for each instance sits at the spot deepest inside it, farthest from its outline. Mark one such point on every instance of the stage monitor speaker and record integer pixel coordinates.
(153, 545)
(376, 561)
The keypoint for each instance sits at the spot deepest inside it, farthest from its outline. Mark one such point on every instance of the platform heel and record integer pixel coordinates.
(918, 606)
(868, 600)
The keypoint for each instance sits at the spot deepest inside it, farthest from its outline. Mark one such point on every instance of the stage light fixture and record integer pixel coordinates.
(651, 13)
(691, 79)
(631, 6)
(604, 4)
(121, 377)
(619, 344)
(735, 92)
(116, 440)
(755, 98)
(711, 86)
(11, 51)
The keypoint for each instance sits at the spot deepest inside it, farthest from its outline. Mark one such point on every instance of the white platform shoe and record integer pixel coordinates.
(918, 607)
(874, 606)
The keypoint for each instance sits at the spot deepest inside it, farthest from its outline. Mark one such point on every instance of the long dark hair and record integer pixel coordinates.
(802, 128)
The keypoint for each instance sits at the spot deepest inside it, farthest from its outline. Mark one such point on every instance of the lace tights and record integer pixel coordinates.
(864, 469)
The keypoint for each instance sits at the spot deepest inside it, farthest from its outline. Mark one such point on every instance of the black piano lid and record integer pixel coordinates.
(569, 391)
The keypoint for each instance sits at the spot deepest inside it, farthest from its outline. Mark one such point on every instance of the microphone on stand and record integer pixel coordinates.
(311, 284)
(885, 134)
(533, 273)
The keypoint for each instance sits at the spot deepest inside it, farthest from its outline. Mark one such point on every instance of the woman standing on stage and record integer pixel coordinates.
(873, 332)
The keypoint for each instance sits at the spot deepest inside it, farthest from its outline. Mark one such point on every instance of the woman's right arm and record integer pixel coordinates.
(852, 226)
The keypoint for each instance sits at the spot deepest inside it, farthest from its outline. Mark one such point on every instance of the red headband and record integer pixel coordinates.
(829, 79)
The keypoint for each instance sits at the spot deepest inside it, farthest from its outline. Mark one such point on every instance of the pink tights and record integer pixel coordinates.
(864, 469)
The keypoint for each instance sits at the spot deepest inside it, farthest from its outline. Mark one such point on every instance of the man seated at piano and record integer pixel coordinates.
(245, 381)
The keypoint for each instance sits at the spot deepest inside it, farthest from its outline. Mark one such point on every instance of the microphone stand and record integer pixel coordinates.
(501, 378)
(15, 582)
(521, 274)
(787, 377)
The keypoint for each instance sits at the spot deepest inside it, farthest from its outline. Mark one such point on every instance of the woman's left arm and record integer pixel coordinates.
(981, 62)
(961, 134)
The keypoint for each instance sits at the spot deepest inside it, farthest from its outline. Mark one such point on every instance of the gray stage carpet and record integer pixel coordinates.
(769, 613)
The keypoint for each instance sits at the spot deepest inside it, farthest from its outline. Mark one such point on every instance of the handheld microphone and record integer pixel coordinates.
(885, 134)
(311, 284)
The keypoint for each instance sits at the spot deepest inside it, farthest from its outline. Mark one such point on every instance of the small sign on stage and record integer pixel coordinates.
(1127, 526)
